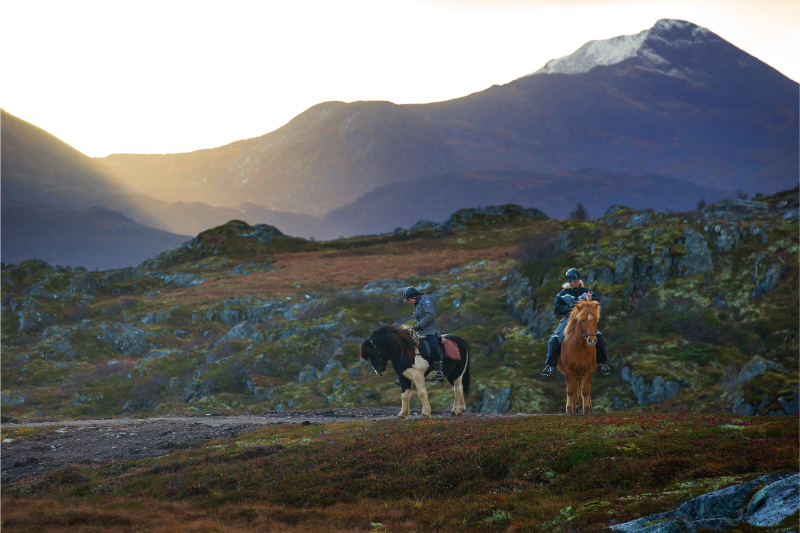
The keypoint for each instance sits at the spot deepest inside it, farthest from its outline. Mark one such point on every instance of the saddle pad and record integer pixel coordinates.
(451, 350)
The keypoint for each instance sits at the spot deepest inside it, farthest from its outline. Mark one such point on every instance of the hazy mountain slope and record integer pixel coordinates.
(93, 237)
(555, 194)
(674, 100)
(38, 167)
(325, 157)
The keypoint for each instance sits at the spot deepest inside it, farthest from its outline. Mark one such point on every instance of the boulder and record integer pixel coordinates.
(31, 319)
(83, 284)
(183, 280)
(655, 391)
(118, 275)
(244, 330)
(774, 502)
(56, 331)
(309, 373)
(124, 338)
(495, 401)
(777, 499)
(331, 364)
(156, 317)
(698, 257)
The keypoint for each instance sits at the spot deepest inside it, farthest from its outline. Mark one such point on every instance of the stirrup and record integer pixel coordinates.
(397, 383)
(548, 371)
(438, 376)
(604, 369)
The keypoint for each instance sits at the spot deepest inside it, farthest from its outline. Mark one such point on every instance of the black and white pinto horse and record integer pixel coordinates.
(399, 345)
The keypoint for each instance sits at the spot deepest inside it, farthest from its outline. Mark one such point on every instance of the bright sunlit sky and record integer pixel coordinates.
(175, 76)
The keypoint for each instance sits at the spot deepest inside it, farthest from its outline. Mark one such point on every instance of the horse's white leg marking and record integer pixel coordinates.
(459, 405)
(404, 398)
(417, 374)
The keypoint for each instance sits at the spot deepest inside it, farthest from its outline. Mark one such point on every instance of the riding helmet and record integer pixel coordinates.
(410, 292)
(573, 274)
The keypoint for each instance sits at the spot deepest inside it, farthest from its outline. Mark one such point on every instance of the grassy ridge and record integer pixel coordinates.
(521, 474)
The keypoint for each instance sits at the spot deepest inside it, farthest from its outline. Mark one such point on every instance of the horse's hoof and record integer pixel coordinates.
(402, 417)
(425, 416)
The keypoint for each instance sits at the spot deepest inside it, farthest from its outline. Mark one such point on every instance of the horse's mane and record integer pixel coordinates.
(581, 310)
(400, 337)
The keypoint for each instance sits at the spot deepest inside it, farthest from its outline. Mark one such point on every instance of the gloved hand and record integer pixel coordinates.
(569, 299)
(417, 328)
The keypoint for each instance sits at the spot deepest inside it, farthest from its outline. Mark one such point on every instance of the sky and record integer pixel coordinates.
(172, 76)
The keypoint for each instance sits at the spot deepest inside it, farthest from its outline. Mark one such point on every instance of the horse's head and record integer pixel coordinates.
(385, 343)
(585, 316)
(372, 353)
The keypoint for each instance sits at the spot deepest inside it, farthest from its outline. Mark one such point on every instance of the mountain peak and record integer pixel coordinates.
(641, 47)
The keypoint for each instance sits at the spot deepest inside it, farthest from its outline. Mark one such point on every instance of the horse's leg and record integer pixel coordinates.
(422, 392)
(571, 390)
(459, 406)
(586, 388)
(405, 396)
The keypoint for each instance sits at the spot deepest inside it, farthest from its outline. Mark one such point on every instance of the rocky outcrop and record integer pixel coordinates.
(235, 310)
(183, 280)
(31, 319)
(156, 317)
(83, 284)
(496, 213)
(242, 331)
(767, 279)
(308, 373)
(495, 400)
(124, 338)
(120, 275)
(650, 392)
(756, 367)
(777, 498)
(698, 257)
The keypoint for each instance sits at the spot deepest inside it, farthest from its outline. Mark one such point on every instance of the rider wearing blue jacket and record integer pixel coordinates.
(573, 292)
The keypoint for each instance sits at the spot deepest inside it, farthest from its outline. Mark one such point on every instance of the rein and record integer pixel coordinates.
(383, 361)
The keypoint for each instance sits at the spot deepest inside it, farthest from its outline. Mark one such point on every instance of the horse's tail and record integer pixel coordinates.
(465, 375)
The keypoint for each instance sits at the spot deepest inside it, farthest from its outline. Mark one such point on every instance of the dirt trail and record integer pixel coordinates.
(128, 439)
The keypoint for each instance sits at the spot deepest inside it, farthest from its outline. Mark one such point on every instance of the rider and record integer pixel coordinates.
(427, 327)
(573, 292)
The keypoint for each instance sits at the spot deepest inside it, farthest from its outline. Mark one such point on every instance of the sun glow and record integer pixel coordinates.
(159, 77)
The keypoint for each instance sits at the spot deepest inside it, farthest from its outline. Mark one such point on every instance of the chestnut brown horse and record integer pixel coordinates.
(578, 353)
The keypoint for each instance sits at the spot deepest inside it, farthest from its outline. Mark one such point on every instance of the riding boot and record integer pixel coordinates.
(439, 376)
(553, 350)
(602, 355)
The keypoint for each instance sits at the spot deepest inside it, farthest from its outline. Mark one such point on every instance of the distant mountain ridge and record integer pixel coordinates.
(674, 100)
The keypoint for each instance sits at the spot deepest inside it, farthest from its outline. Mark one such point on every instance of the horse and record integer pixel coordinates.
(578, 353)
(400, 345)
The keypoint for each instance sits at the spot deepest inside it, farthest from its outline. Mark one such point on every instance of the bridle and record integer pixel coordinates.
(383, 361)
(583, 332)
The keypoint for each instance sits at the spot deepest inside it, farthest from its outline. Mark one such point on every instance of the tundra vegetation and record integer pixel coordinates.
(700, 310)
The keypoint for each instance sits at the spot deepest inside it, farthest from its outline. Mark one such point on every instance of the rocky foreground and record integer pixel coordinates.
(634, 472)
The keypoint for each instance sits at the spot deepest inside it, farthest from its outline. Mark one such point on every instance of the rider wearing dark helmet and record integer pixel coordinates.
(427, 327)
(573, 292)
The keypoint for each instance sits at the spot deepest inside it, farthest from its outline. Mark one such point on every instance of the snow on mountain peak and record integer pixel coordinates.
(618, 49)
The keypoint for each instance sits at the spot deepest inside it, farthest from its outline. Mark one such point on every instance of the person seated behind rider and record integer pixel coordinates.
(573, 292)
(427, 328)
